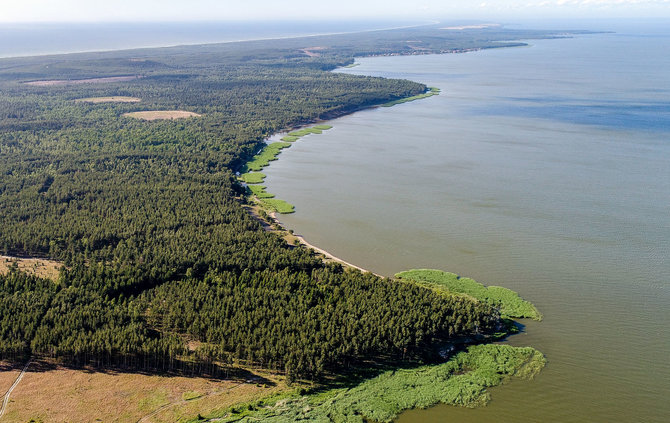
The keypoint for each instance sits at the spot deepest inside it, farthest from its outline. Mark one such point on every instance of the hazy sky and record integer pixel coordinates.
(177, 10)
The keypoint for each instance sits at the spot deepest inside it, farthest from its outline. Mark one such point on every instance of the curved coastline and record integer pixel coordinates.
(294, 134)
(325, 253)
(337, 397)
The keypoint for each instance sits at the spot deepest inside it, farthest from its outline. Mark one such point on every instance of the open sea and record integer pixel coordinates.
(24, 39)
(544, 169)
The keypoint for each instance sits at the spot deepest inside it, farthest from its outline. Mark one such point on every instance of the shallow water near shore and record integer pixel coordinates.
(544, 169)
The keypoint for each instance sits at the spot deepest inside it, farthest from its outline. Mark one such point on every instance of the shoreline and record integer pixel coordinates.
(327, 255)
(275, 226)
(268, 226)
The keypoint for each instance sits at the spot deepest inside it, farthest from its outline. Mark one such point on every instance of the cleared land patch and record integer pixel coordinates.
(112, 99)
(105, 80)
(8, 374)
(161, 114)
(479, 26)
(88, 396)
(313, 51)
(34, 266)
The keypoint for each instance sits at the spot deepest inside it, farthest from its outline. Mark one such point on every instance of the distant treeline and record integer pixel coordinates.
(162, 265)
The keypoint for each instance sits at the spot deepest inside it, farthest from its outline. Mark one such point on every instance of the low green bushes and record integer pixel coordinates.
(509, 302)
(252, 177)
(461, 381)
(280, 206)
(431, 92)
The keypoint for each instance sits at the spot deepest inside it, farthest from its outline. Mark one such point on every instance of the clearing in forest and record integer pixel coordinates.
(112, 99)
(106, 80)
(161, 114)
(88, 395)
(34, 266)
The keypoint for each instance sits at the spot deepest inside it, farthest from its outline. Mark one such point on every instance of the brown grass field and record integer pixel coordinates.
(8, 374)
(106, 80)
(113, 99)
(161, 114)
(66, 395)
(313, 51)
(39, 267)
(478, 26)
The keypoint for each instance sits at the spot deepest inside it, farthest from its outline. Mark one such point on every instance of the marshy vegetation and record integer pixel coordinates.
(263, 158)
(252, 177)
(431, 92)
(461, 381)
(280, 206)
(509, 302)
(259, 191)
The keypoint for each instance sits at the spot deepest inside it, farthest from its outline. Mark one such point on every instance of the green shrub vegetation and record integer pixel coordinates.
(318, 129)
(191, 395)
(263, 158)
(280, 206)
(510, 303)
(266, 155)
(252, 177)
(259, 191)
(431, 92)
(461, 381)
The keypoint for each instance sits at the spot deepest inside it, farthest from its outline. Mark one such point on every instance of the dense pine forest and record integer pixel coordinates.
(162, 267)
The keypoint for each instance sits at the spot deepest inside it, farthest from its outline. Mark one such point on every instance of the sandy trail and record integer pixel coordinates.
(5, 401)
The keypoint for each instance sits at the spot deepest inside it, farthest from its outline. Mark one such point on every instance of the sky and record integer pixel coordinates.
(194, 10)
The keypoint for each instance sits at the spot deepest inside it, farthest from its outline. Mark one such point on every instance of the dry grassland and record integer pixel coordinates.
(106, 80)
(313, 51)
(66, 395)
(113, 99)
(8, 375)
(479, 26)
(39, 267)
(161, 114)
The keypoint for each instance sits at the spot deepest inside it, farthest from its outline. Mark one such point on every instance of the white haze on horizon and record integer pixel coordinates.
(196, 10)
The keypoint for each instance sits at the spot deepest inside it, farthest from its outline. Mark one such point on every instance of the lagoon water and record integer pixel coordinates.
(545, 169)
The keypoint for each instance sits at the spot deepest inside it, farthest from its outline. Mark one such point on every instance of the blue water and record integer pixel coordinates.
(53, 38)
(545, 169)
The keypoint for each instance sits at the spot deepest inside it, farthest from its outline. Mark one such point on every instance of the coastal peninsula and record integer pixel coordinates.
(161, 270)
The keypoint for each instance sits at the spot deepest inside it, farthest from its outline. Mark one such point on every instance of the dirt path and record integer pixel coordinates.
(5, 401)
